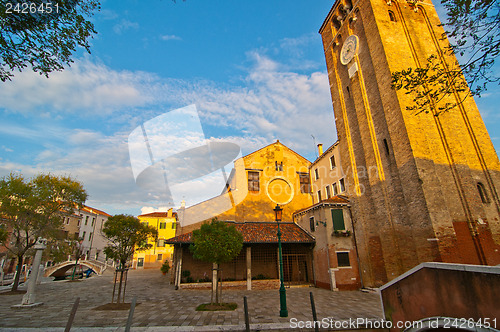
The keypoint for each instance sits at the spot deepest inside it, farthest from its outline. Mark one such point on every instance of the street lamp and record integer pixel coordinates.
(283, 310)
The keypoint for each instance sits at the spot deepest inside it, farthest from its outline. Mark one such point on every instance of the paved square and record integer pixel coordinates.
(163, 306)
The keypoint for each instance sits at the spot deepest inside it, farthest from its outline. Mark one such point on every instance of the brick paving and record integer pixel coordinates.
(162, 308)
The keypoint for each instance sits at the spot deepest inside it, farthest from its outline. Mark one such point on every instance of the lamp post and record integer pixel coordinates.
(283, 310)
(78, 254)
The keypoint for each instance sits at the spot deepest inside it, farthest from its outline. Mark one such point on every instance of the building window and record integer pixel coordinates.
(334, 189)
(332, 162)
(338, 219)
(86, 220)
(386, 146)
(316, 174)
(93, 221)
(161, 243)
(83, 235)
(305, 183)
(311, 224)
(343, 259)
(90, 237)
(163, 225)
(160, 257)
(392, 17)
(278, 167)
(140, 262)
(482, 192)
(341, 185)
(319, 195)
(174, 225)
(144, 223)
(328, 194)
(253, 181)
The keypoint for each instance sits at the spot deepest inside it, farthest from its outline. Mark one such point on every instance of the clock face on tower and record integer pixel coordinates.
(349, 49)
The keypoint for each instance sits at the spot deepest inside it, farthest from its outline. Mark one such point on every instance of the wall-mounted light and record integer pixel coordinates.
(320, 222)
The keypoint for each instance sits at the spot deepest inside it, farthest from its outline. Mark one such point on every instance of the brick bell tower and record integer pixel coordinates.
(423, 187)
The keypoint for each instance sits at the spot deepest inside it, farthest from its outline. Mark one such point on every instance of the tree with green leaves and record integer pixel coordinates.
(32, 209)
(217, 242)
(473, 27)
(126, 234)
(43, 34)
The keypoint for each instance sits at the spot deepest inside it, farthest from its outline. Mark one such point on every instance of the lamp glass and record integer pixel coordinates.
(278, 212)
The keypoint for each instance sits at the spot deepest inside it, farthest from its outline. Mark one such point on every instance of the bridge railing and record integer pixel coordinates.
(98, 266)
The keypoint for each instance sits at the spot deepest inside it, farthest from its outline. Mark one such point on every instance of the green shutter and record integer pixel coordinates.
(338, 219)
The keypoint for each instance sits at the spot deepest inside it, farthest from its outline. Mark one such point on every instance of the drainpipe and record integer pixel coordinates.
(327, 248)
(93, 235)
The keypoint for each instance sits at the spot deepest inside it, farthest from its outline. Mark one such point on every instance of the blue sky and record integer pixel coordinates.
(254, 69)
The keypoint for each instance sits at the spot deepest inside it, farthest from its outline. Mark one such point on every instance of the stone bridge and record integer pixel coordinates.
(59, 270)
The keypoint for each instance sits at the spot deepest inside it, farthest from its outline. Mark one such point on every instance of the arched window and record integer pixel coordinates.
(482, 192)
(392, 17)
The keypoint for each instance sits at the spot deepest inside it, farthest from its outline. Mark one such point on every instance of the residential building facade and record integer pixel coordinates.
(92, 240)
(166, 225)
(329, 221)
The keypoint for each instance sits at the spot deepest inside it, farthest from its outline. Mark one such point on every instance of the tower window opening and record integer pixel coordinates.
(348, 92)
(392, 17)
(386, 146)
(482, 193)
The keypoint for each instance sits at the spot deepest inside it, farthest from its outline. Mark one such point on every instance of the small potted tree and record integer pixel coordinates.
(165, 268)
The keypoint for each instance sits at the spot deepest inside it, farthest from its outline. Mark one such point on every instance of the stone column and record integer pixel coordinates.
(249, 268)
(178, 271)
(29, 297)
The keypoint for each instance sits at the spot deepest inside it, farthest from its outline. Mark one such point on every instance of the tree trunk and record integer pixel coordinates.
(120, 286)
(15, 284)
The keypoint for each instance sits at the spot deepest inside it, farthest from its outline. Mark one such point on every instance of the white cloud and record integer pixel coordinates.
(271, 102)
(170, 37)
(125, 25)
(87, 86)
(150, 209)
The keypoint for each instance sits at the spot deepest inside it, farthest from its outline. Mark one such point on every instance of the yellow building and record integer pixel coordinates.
(274, 174)
(422, 187)
(166, 224)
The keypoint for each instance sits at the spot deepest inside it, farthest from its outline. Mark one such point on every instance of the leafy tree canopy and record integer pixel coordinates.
(43, 34)
(473, 28)
(32, 208)
(126, 234)
(217, 242)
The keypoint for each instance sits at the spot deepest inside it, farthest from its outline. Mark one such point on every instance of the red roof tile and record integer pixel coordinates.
(158, 214)
(93, 210)
(337, 199)
(259, 232)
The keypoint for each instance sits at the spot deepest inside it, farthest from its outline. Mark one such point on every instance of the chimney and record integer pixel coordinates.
(320, 149)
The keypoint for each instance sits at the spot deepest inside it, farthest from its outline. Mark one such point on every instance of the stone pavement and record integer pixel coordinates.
(162, 308)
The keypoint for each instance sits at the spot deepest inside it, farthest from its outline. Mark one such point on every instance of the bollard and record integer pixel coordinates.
(130, 314)
(72, 315)
(313, 308)
(247, 320)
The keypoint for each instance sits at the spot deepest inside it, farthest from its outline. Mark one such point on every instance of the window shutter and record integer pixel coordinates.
(338, 219)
